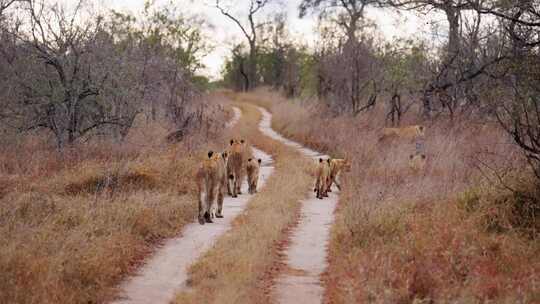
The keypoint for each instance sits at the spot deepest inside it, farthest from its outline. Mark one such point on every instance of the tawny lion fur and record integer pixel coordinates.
(208, 185)
(417, 162)
(235, 170)
(322, 178)
(222, 160)
(410, 133)
(337, 165)
(252, 169)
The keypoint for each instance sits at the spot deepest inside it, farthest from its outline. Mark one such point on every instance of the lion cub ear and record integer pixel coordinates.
(259, 160)
(210, 153)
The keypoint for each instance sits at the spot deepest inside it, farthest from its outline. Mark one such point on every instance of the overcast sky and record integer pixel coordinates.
(225, 32)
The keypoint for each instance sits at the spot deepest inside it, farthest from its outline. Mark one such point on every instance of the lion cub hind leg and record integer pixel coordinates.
(321, 184)
(220, 198)
(326, 183)
(238, 183)
(249, 171)
(337, 182)
(219, 213)
(202, 205)
(231, 185)
(202, 188)
(252, 169)
(205, 202)
(213, 210)
(256, 180)
(211, 206)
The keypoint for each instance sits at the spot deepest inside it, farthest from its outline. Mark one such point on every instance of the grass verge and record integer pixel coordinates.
(238, 267)
(73, 225)
(444, 234)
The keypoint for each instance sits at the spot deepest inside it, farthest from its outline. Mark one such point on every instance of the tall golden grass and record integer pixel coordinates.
(450, 233)
(73, 224)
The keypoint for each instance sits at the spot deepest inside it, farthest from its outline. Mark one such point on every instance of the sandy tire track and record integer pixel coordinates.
(306, 255)
(165, 273)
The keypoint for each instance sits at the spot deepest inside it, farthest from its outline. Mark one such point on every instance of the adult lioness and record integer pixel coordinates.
(222, 179)
(252, 169)
(208, 185)
(411, 133)
(235, 166)
(322, 178)
(337, 165)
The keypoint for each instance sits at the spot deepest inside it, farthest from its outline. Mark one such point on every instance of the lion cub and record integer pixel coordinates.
(322, 182)
(417, 162)
(253, 174)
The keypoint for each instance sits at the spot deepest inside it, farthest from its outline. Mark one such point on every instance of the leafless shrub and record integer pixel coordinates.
(81, 77)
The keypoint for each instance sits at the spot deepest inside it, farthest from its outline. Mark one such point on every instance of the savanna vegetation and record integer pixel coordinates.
(463, 226)
(241, 266)
(103, 123)
(104, 117)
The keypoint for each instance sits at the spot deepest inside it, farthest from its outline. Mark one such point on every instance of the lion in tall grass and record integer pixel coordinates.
(408, 133)
(417, 162)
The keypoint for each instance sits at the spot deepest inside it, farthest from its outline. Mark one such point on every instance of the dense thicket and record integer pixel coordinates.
(78, 74)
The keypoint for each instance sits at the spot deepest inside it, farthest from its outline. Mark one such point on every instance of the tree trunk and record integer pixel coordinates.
(252, 66)
(453, 17)
(426, 102)
(353, 27)
(453, 59)
(245, 76)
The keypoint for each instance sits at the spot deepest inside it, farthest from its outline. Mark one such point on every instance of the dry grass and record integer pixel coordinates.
(72, 225)
(239, 267)
(444, 234)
